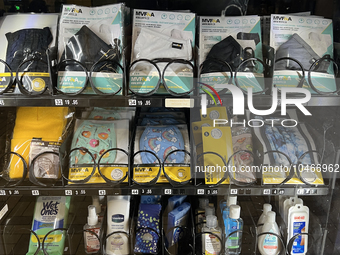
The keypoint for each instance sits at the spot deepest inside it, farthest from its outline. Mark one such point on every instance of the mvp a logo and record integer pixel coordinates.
(211, 21)
(280, 18)
(73, 10)
(145, 14)
(140, 79)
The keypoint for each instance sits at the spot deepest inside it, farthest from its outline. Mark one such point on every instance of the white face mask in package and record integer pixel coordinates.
(231, 40)
(92, 36)
(304, 41)
(24, 37)
(161, 37)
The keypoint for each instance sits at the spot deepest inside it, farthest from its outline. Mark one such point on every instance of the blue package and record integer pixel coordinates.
(161, 141)
(151, 199)
(177, 218)
(175, 201)
(146, 239)
(159, 121)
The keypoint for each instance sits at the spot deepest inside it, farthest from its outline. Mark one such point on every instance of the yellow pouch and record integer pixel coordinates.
(218, 140)
(47, 123)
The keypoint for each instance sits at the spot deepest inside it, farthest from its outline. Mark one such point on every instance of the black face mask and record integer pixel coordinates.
(228, 50)
(27, 44)
(299, 50)
(87, 48)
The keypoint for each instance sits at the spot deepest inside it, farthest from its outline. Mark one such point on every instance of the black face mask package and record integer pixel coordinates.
(230, 52)
(162, 53)
(25, 38)
(304, 53)
(90, 51)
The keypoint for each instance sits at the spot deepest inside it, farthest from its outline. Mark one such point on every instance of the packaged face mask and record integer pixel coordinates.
(292, 142)
(98, 136)
(163, 36)
(161, 140)
(146, 239)
(23, 37)
(99, 37)
(305, 39)
(231, 40)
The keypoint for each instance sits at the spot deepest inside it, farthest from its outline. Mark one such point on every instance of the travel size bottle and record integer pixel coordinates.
(270, 244)
(266, 208)
(92, 243)
(233, 223)
(211, 245)
(200, 213)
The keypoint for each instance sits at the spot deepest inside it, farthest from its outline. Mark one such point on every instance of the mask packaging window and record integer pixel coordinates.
(37, 135)
(25, 39)
(104, 140)
(154, 144)
(305, 39)
(162, 44)
(231, 40)
(93, 36)
(295, 158)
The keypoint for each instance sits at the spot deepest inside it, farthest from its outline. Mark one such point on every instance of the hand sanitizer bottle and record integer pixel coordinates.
(211, 245)
(233, 223)
(270, 244)
(92, 243)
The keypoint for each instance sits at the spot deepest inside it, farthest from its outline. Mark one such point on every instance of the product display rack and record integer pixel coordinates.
(323, 200)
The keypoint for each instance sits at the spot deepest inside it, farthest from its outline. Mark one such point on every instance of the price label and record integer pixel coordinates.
(168, 191)
(266, 191)
(233, 191)
(281, 191)
(275, 192)
(134, 192)
(68, 192)
(58, 102)
(300, 191)
(102, 192)
(148, 102)
(2, 192)
(2, 102)
(200, 191)
(16, 192)
(35, 192)
(133, 102)
(82, 192)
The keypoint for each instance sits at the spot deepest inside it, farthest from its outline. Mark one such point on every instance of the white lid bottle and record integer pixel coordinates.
(266, 208)
(270, 244)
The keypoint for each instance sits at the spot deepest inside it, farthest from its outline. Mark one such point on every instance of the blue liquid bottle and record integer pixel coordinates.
(233, 223)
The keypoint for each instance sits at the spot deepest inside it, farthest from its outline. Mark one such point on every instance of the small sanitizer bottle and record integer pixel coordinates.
(92, 243)
(211, 245)
(232, 224)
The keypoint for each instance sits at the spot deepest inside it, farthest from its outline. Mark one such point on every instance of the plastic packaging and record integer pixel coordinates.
(233, 223)
(118, 214)
(24, 37)
(298, 223)
(177, 218)
(99, 136)
(46, 125)
(50, 213)
(96, 43)
(91, 242)
(161, 140)
(270, 244)
(210, 244)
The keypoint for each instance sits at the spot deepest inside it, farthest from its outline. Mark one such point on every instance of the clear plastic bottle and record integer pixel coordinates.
(270, 244)
(92, 243)
(232, 200)
(96, 203)
(210, 244)
(200, 213)
(266, 208)
(233, 223)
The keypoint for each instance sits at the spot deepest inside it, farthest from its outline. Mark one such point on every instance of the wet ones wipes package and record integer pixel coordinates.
(92, 36)
(304, 40)
(231, 40)
(162, 38)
